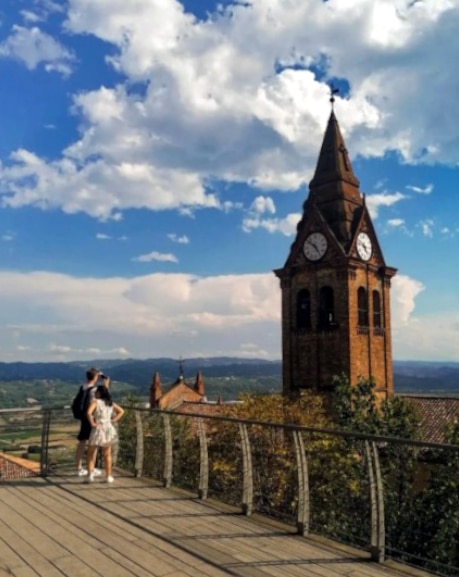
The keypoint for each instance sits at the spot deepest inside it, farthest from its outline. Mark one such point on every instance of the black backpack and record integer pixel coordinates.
(80, 403)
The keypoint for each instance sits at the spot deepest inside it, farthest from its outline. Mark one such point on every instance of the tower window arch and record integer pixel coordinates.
(326, 308)
(303, 309)
(377, 314)
(362, 306)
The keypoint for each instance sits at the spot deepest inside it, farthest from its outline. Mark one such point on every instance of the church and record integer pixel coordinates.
(335, 284)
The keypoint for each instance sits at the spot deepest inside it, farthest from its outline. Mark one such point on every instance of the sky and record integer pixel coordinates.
(155, 156)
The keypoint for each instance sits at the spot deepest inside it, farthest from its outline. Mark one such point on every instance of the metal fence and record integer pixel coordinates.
(392, 497)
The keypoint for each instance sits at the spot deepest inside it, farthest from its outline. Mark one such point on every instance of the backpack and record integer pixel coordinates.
(80, 403)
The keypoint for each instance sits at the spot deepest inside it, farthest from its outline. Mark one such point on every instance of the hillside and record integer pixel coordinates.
(25, 383)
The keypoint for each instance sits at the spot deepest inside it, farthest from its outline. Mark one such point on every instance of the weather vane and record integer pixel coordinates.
(333, 91)
(180, 364)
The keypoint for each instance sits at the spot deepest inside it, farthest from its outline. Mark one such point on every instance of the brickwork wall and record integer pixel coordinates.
(311, 357)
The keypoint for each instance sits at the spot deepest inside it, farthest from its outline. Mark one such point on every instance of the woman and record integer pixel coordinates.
(102, 413)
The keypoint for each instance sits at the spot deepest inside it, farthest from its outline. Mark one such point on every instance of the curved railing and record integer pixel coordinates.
(392, 497)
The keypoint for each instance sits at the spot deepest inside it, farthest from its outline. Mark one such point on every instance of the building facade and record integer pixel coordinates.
(335, 284)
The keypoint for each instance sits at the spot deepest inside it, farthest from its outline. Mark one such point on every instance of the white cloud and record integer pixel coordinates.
(421, 190)
(178, 239)
(165, 313)
(214, 107)
(405, 291)
(375, 201)
(263, 204)
(33, 47)
(396, 222)
(102, 236)
(30, 16)
(65, 351)
(427, 227)
(70, 318)
(158, 256)
(286, 226)
(98, 187)
(8, 237)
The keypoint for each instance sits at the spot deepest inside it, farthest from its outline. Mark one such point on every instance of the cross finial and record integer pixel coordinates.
(333, 91)
(180, 364)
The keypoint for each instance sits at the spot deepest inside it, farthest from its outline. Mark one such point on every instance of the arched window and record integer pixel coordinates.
(362, 305)
(303, 309)
(326, 308)
(377, 316)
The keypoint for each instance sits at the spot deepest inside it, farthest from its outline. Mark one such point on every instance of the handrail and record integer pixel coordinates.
(303, 458)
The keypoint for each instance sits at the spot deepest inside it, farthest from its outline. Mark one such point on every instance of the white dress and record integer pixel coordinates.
(105, 433)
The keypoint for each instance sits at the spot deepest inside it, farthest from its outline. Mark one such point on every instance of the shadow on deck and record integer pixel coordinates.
(61, 526)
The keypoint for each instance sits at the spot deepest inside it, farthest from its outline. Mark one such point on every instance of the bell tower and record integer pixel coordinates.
(335, 283)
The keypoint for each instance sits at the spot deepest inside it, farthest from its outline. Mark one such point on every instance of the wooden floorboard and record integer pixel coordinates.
(63, 527)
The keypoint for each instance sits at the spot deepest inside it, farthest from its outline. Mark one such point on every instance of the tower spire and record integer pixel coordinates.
(334, 188)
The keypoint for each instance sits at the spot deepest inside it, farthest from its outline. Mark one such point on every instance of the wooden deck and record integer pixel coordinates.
(63, 527)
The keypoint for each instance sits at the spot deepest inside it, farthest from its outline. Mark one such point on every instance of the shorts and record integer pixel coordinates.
(85, 430)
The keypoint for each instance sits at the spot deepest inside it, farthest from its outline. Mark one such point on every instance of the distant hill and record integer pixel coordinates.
(409, 376)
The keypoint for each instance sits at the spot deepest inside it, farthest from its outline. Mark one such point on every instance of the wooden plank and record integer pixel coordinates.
(65, 528)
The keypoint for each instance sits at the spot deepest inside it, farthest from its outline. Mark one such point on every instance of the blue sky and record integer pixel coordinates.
(155, 156)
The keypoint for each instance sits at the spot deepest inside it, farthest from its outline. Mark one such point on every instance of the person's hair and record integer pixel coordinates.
(91, 374)
(104, 394)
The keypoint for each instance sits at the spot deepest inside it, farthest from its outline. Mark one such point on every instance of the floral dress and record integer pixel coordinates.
(105, 433)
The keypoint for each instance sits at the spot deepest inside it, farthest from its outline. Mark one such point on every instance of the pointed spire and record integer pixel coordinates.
(155, 390)
(333, 163)
(199, 385)
(334, 189)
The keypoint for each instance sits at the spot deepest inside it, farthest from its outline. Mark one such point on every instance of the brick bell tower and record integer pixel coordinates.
(335, 284)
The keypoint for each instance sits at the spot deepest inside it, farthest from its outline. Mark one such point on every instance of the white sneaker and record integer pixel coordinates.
(97, 473)
(82, 472)
(89, 479)
(110, 479)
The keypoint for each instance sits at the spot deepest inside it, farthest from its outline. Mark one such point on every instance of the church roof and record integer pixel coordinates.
(435, 413)
(334, 188)
(333, 163)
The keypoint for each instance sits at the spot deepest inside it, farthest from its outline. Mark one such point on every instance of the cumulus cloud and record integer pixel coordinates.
(263, 204)
(158, 314)
(34, 47)
(405, 291)
(158, 256)
(161, 314)
(234, 97)
(286, 226)
(102, 236)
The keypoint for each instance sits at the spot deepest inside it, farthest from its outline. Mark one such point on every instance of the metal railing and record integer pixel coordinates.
(393, 497)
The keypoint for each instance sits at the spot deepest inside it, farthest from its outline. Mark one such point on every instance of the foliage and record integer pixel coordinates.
(436, 527)
(421, 495)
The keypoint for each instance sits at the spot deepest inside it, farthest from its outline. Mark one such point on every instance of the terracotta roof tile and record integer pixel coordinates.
(435, 413)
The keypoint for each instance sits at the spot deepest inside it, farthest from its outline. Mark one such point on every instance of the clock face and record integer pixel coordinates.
(315, 246)
(364, 247)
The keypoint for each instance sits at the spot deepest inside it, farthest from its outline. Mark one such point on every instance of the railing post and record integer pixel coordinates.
(45, 442)
(381, 543)
(378, 530)
(303, 516)
(203, 462)
(247, 471)
(139, 446)
(167, 472)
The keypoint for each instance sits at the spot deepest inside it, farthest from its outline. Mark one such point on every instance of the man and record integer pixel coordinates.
(92, 376)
